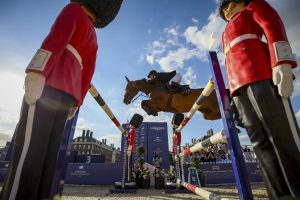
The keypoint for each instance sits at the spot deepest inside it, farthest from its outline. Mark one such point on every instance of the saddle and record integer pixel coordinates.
(177, 88)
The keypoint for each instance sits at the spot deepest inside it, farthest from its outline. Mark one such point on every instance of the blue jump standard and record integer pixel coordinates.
(234, 147)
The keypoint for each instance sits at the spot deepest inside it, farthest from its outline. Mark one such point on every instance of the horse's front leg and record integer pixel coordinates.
(149, 107)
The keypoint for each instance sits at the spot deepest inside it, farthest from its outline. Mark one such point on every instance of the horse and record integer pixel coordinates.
(162, 100)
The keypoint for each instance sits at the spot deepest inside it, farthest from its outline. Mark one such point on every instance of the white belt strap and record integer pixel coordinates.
(239, 39)
(75, 53)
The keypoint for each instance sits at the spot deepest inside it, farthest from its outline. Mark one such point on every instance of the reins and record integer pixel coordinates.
(141, 94)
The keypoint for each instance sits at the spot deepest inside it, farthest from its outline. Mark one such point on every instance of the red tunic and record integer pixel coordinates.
(63, 70)
(251, 60)
(131, 139)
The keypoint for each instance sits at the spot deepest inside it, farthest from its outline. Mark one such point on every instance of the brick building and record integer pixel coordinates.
(87, 145)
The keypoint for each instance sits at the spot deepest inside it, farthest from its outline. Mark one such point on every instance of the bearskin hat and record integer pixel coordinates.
(177, 118)
(224, 3)
(136, 120)
(105, 10)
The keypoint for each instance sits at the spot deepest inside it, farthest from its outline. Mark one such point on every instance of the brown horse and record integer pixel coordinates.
(162, 100)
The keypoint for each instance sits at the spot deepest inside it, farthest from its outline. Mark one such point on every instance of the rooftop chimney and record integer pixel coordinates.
(91, 135)
(83, 133)
(87, 133)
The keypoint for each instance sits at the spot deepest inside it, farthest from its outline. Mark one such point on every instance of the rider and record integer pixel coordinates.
(170, 79)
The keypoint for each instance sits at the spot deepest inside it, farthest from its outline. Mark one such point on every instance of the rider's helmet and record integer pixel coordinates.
(152, 72)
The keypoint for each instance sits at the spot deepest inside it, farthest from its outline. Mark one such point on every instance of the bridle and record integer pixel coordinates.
(141, 94)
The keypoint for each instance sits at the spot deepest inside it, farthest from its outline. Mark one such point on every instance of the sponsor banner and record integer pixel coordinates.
(108, 173)
(94, 173)
(223, 173)
(158, 143)
(90, 159)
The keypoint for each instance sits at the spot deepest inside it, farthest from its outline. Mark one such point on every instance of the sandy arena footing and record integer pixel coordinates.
(76, 192)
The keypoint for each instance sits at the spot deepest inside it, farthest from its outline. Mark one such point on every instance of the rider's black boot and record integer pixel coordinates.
(183, 90)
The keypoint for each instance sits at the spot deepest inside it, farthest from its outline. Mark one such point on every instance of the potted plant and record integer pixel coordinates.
(139, 166)
(171, 174)
(159, 176)
(145, 178)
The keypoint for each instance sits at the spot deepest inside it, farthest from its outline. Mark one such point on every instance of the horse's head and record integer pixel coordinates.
(133, 87)
(130, 91)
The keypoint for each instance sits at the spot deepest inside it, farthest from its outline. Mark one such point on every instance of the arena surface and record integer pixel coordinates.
(76, 192)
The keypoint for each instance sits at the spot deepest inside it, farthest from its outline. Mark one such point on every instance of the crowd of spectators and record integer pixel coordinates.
(219, 153)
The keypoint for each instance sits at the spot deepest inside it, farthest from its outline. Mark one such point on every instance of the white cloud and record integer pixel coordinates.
(5, 137)
(172, 31)
(195, 20)
(200, 37)
(162, 116)
(289, 12)
(175, 59)
(190, 77)
(150, 59)
(81, 125)
(11, 90)
(112, 139)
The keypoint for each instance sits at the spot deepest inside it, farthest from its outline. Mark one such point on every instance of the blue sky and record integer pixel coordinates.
(147, 34)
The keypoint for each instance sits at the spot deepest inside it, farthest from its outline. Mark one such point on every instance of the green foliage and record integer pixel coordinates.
(145, 174)
(171, 174)
(172, 159)
(159, 173)
(195, 161)
(141, 150)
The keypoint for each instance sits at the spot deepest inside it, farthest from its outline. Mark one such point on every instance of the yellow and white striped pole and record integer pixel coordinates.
(205, 93)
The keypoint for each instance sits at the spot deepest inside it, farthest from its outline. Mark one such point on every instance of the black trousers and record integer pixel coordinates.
(35, 151)
(271, 125)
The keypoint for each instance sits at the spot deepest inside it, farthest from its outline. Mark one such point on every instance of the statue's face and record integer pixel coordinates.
(232, 9)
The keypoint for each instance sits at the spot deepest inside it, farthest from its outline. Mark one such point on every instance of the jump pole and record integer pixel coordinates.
(238, 163)
(202, 97)
(201, 192)
(93, 91)
(214, 139)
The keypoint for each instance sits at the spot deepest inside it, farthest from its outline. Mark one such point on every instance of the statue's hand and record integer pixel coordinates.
(283, 78)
